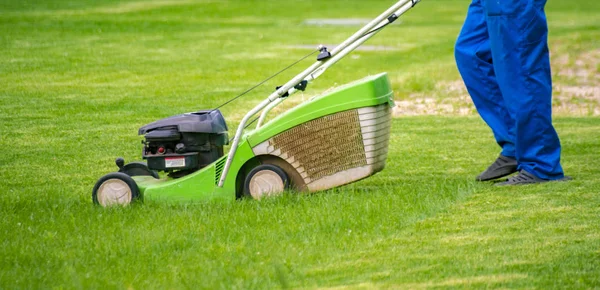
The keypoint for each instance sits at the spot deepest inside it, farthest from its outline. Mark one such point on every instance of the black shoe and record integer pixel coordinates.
(525, 177)
(503, 166)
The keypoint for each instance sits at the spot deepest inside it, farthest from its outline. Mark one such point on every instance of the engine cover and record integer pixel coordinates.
(186, 142)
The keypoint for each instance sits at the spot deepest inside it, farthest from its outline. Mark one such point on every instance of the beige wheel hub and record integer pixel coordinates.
(266, 183)
(114, 192)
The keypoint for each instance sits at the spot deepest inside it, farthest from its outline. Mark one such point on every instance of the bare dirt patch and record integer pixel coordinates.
(577, 84)
(576, 91)
(448, 98)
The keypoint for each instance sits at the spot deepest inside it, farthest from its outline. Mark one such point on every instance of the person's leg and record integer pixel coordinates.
(474, 61)
(518, 33)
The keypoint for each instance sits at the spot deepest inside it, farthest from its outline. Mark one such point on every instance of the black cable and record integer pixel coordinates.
(376, 29)
(293, 64)
(251, 122)
(266, 80)
(245, 127)
(391, 19)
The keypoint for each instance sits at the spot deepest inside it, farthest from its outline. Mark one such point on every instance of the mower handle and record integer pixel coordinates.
(337, 55)
(317, 69)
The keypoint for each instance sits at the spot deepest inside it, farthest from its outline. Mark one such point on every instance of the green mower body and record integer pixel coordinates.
(330, 140)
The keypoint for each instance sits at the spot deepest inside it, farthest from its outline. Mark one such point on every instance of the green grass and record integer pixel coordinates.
(77, 78)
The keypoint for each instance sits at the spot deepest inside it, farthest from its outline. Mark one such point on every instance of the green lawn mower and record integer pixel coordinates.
(328, 141)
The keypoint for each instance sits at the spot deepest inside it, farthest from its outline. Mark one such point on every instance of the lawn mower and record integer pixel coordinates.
(328, 141)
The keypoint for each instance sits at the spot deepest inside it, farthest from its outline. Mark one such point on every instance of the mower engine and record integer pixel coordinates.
(184, 143)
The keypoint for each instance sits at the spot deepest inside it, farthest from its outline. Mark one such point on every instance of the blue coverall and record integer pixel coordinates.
(502, 55)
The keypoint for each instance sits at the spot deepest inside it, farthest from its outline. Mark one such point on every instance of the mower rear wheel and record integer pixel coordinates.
(115, 189)
(265, 180)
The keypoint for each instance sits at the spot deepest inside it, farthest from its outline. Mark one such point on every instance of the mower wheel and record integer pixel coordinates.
(115, 188)
(265, 180)
(138, 169)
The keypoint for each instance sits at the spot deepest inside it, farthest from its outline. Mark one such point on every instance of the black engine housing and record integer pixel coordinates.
(184, 143)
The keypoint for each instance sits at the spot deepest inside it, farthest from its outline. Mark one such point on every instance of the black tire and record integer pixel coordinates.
(265, 180)
(115, 188)
(138, 169)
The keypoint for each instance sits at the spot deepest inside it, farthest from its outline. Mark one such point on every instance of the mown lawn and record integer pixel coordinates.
(77, 78)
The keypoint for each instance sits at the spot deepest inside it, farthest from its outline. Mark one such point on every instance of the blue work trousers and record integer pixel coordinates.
(502, 55)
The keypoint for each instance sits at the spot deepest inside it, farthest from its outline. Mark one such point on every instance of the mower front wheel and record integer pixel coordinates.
(265, 180)
(135, 168)
(115, 188)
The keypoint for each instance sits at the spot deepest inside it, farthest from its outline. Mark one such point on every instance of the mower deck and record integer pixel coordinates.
(331, 140)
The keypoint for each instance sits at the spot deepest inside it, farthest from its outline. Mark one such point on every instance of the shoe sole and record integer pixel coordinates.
(564, 179)
(507, 172)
